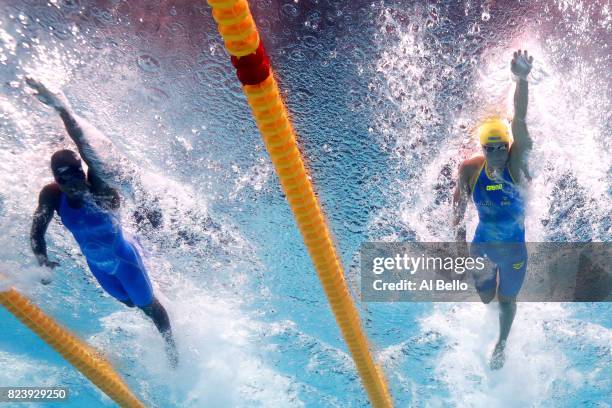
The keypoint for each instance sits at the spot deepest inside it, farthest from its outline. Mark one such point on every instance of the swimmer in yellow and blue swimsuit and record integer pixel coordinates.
(493, 182)
(501, 215)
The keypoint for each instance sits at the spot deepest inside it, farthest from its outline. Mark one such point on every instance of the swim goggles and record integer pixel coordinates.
(67, 173)
(490, 149)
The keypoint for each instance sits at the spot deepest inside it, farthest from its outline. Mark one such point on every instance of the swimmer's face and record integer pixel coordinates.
(72, 181)
(496, 154)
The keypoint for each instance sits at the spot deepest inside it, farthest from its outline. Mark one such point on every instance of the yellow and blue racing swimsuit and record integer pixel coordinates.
(501, 214)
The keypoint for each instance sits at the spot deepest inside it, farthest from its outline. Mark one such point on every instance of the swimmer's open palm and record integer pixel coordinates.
(55, 100)
(521, 64)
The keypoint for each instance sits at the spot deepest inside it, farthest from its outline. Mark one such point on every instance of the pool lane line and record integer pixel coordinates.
(75, 351)
(241, 38)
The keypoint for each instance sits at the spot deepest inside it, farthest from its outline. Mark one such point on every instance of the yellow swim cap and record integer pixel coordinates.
(493, 130)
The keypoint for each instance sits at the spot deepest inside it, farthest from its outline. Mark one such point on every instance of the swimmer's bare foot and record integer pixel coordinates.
(498, 358)
(171, 350)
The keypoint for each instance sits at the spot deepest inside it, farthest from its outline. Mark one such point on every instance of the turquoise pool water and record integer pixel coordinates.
(383, 96)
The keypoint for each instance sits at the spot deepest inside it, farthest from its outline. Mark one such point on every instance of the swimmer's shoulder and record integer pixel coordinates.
(50, 196)
(105, 195)
(469, 170)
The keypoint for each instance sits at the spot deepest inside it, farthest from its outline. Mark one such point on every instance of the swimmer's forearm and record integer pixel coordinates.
(90, 142)
(73, 126)
(459, 227)
(460, 234)
(38, 243)
(39, 247)
(104, 160)
(522, 140)
(42, 258)
(74, 130)
(521, 99)
(459, 207)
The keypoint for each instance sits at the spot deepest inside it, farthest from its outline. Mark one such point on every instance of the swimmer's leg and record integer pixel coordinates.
(111, 284)
(133, 276)
(485, 280)
(158, 314)
(511, 276)
(507, 311)
(487, 295)
(160, 318)
(486, 285)
(127, 302)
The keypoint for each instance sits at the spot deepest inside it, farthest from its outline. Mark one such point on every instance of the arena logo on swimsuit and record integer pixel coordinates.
(492, 187)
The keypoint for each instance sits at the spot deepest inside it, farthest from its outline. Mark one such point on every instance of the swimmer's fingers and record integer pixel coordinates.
(40, 91)
(43, 94)
(528, 58)
(33, 83)
(38, 88)
(30, 81)
(521, 63)
(516, 56)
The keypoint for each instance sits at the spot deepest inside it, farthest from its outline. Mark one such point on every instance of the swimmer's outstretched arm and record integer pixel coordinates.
(91, 143)
(520, 66)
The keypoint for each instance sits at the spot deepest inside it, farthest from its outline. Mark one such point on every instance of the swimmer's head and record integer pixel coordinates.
(495, 139)
(68, 173)
(493, 130)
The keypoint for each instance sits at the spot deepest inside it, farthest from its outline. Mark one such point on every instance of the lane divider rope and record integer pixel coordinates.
(80, 355)
(248, 56)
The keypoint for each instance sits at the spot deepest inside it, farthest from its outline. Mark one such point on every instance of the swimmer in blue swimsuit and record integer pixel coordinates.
(493, 182)
(88, 207)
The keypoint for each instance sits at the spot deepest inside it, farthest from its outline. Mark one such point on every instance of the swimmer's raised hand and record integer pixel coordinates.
(521, 64)
(57, 100)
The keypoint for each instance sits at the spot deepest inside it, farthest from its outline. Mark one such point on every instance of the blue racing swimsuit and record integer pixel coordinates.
(500, 234)
(113, 260)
